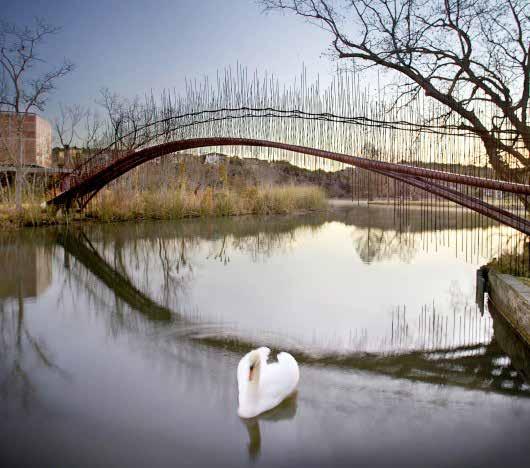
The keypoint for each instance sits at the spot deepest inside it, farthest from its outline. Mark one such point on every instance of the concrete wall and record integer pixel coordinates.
(511, 298)
(37, 140)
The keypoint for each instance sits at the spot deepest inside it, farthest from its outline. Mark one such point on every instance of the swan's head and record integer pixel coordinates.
(254, 362)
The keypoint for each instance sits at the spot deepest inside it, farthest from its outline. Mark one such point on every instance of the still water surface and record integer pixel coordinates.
(119, 344)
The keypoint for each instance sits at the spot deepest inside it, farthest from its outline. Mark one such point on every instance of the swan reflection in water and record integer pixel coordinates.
(284, 411)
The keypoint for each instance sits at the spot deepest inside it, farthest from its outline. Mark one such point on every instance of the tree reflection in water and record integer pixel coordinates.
(115, 266)
(439, 348)
(26, 273)
(376, 245)
(378, 235)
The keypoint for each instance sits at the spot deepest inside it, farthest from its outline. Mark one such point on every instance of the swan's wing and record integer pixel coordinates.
(280, 378)
(243, 366)
(290, 368)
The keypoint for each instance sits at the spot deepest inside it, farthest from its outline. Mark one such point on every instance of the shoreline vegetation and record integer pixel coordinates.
(213, 185)
(120, 204)
(516, 264)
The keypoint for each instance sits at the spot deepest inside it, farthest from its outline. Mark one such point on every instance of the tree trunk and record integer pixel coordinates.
(19, 164)
(503, 171)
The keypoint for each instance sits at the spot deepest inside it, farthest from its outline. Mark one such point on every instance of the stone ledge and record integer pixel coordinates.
(511, 297)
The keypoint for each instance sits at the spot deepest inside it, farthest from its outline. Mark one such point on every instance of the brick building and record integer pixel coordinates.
(37, 140)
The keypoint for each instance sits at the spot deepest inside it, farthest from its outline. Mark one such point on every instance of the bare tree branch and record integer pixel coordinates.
(469, 55)
(24, 84)
(66, 123)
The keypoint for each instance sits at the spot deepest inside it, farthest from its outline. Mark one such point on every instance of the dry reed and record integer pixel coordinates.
(121, 204)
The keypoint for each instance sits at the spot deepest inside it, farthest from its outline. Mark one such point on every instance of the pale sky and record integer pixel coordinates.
(135, 46)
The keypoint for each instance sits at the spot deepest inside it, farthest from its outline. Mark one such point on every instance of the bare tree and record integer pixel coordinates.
(115, 108)
(92, 130)
(469, 55)
(24, 86)
(70, 117)
(128, 119)
(65, 125)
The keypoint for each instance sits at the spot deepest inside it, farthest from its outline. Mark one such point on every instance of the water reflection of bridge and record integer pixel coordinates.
(478, 362)
(80, 248)
(481, 364)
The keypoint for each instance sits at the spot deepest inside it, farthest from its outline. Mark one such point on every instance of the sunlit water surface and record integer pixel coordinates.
(119, 344)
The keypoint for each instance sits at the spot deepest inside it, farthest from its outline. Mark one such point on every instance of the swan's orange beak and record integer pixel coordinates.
(251, 373)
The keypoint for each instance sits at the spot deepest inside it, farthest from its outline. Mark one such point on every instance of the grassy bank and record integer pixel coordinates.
(120, 204)
(516, 264)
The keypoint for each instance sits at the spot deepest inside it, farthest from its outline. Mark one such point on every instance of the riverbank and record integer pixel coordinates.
(511, 297)
(120, 204)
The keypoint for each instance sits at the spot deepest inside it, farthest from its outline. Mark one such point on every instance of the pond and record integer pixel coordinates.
(119, 343)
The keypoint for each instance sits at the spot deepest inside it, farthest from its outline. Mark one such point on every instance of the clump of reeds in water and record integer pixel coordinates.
(121, 205)
(118, 204)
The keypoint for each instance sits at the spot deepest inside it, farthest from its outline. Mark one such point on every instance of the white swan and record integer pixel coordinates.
(263, 386)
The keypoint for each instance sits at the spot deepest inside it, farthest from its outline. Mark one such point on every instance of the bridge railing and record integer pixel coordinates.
(175, 127)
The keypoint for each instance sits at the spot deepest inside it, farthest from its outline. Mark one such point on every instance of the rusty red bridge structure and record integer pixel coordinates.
(90, 177)
(416, 142)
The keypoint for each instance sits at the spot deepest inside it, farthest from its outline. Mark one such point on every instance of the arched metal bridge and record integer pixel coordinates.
(88, 179)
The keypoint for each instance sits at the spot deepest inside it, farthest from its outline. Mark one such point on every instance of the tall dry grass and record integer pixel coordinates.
(121, 205)
(167, 189)
(33, 213)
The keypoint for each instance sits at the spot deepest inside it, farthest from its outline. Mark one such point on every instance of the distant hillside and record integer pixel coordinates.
(209, 170)
(215, 170)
